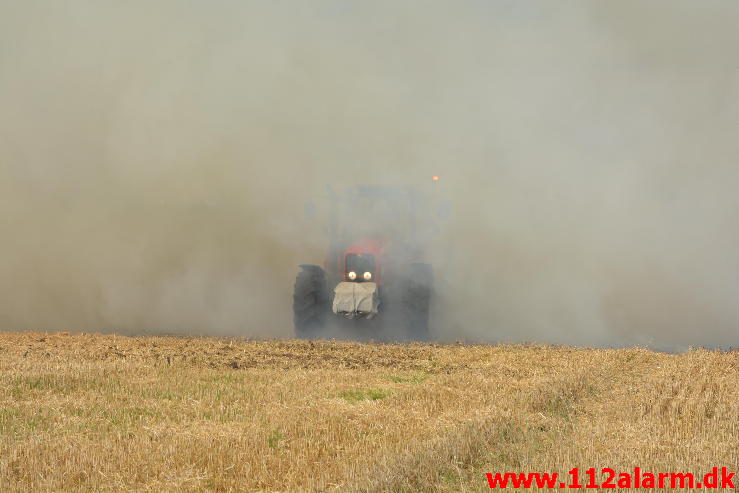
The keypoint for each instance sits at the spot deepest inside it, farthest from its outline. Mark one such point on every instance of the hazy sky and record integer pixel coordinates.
(155, 158)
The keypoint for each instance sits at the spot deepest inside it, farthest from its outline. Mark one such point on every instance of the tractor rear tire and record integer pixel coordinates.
(417, 301)
(310, 301)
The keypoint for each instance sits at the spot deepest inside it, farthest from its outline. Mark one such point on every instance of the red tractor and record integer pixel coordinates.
(375, 279)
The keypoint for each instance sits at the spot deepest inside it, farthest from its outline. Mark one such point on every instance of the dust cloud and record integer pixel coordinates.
(155, 158)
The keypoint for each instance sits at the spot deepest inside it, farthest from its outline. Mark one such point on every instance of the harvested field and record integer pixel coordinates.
(111, 413)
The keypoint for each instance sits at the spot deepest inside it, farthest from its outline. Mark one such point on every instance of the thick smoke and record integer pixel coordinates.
(155, 158)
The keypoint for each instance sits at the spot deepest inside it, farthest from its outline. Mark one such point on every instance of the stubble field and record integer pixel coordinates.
(109, 413)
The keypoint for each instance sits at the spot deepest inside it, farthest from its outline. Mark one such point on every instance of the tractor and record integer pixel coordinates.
(376, 281)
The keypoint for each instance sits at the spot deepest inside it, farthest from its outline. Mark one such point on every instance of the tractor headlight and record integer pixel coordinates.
(352, 275)
(367, 276)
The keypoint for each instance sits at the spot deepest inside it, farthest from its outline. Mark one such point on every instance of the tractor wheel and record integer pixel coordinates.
(310, 301)
(418, 301)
